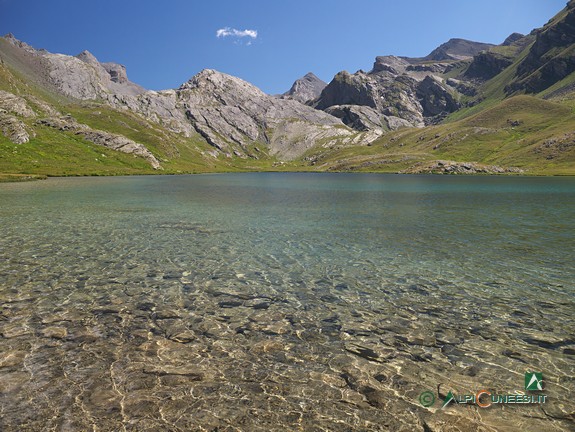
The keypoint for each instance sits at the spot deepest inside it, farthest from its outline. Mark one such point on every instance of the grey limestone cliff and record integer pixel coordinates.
(457, 49)
(13, 109)
(231, 114)
(392, 91)
(81, 77)
(415, 91)
(306, 88)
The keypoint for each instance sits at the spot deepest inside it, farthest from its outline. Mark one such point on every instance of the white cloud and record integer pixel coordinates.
(228, 31)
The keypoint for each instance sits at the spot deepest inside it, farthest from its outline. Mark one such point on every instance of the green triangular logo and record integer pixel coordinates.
(533, 381)
(448, 399)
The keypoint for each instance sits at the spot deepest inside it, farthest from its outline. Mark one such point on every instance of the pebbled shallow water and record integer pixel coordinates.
(260, 302)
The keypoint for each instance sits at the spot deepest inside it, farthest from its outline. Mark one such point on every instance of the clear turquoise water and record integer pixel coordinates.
(283, 301)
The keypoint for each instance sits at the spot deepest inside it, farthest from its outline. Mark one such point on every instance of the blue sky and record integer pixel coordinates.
(268, 43)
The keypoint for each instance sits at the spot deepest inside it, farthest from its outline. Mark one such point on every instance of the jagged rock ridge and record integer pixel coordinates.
(551, 58)
(239, 120)
(457, 49)
(512, 39)
(81, 77)
(229, 113)
(395, 89)
(403, 91)
(220, 105)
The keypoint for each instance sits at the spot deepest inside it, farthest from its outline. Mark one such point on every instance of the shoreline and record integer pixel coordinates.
(17, 178)
(20, 178)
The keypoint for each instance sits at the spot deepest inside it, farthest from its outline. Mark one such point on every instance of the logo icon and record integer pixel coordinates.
(448, 399)
(427, 398)
(533, 381)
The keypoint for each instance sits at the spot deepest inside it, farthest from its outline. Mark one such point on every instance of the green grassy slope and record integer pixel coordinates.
(53, 152)
(527, 132)
(535, 135)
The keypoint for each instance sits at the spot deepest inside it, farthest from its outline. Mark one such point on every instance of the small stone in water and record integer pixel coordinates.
(55, 332)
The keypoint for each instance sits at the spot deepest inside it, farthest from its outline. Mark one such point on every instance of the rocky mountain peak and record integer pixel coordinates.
(457, 49)
(197, 79)
(18, 43)
(390, 64)
(551, 55)
(87, 57)
(306, 88)
(82, 76)
(117, 72)
(232, 115)
(512, 38)
(220, 83)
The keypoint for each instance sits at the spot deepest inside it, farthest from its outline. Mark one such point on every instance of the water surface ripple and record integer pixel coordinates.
(271, 302)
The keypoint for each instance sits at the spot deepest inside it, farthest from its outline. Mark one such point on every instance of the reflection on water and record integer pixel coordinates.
(259, 302)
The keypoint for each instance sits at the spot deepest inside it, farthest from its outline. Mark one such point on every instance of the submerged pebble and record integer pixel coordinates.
(308, 309)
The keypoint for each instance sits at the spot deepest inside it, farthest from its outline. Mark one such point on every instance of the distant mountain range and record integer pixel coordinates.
(466, 107)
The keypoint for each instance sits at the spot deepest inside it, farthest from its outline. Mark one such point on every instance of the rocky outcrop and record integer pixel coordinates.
(487, 64)
(12, 107)
(513, 38)
(306, 89)
(112, 77)
(451, 167)
(232, 114)
(162, 107)
(18, 43)
(117, 72)
(358, 117)
(348, 89)
(435, 99)
(390, 90)
(392, 64)
(10, 103)
(385, 92)
(13, 129)
(103, 138)
(550, 58)
(419, 91)
(553, 148)
(81, 77)
(363, 118)
(229, 113)
(464, 87)
(457, 49)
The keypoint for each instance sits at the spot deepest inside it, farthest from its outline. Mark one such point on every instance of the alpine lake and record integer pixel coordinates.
(286, 302)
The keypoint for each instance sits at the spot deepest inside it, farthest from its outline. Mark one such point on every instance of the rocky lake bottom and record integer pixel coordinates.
(272, 302)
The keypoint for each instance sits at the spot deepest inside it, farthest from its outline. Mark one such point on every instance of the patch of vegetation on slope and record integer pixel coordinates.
(532, 134)
(55, 152)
